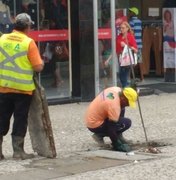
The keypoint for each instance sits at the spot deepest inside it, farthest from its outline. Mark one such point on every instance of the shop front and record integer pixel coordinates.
(151, 15)
(51, 32)
(75, 38)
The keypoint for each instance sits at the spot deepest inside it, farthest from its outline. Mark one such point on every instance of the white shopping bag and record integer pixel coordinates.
(127, 57)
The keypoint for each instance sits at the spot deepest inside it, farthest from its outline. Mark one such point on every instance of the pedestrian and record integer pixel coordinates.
(126, 37)
(136, 25)
(105, 116)
(19, 58)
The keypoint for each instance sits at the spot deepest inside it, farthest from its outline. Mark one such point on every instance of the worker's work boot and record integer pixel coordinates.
(99, 139)
(18, 148)
(1, 155)
(120, 146)
(124, 140)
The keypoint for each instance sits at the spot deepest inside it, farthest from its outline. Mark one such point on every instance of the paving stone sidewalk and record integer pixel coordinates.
(79, 157)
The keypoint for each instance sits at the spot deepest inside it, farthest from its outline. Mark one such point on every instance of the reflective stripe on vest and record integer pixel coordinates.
(12, 60)
(14, 76)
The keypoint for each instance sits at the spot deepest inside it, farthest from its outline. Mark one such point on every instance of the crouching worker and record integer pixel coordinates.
(105, 116)
(19, 58)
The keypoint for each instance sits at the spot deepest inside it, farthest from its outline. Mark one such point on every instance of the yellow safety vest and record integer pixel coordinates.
(15, 68)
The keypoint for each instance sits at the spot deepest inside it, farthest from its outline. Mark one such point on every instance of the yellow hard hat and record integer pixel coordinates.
(131, 95)
(134, 10)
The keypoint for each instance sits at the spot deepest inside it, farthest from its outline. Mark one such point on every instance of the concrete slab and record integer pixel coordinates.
(54, 168)
(33, 174)
(80, 162)
(120, 155)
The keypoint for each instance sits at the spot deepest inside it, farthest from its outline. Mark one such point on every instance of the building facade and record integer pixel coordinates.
(64, 31)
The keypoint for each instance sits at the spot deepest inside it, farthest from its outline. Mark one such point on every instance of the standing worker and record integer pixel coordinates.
(136, 25)
(19, 58)
(105, 116)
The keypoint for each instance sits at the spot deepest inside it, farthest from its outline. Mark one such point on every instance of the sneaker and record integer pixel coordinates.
(99, 139)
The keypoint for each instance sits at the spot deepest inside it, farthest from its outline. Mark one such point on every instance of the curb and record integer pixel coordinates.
(145, 91)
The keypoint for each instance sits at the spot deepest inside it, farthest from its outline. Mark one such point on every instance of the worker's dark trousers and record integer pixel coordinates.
(18, 105)
(112, 129)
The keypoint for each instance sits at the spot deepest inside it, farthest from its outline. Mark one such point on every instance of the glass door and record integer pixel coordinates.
(104, 41)
(51, 31)
(104, 44)
(55, 47)
(107, 16)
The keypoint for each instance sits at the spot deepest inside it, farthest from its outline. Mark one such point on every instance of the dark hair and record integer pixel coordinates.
(20, 26)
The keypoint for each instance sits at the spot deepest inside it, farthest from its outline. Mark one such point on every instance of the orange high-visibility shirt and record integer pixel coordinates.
(105, 105)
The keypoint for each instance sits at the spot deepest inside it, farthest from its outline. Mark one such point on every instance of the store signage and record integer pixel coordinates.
(61, 35)
(153, 12)
(49, 35)
(104, 33)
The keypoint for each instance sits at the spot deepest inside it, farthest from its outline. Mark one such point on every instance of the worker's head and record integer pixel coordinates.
(23, 21)
(129, 97)
(133, 11)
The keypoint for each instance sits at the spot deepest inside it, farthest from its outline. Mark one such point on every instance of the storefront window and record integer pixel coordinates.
(55, 52)
(6, 16)
(105, 39)
(51, 33)
(104, 44)
(121, 4)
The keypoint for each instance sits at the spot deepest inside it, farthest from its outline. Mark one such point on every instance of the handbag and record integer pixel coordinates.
(61, 51)
(128, 57)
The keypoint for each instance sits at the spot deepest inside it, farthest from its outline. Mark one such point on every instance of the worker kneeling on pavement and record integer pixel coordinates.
(19, 58)
(105, 116)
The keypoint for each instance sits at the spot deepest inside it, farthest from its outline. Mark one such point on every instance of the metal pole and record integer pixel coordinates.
(14, 7)
(69, 44)
(139, 106)
(96, 50)
(142, 120)
(113, 43)
(135, 86)
(38, 28)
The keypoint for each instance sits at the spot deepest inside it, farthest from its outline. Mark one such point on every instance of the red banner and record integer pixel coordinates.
(49, 35)
(104, 33)
(61, 35)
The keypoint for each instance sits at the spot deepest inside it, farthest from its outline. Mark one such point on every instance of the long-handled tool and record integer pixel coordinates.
(149, 148)
(139, 106)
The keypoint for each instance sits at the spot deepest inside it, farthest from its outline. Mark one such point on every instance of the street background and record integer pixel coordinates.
(74, 141)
